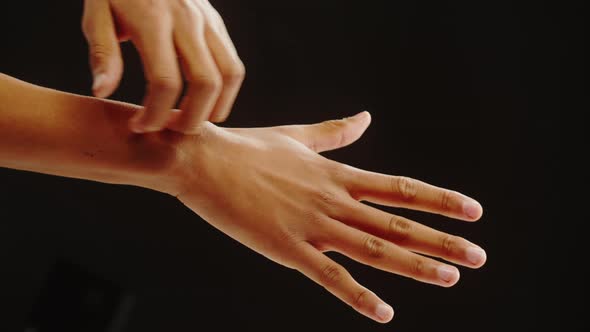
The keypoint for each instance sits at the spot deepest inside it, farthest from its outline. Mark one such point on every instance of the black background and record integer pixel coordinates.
(466, 95)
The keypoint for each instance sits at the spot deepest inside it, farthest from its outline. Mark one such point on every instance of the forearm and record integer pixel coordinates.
(53, 132)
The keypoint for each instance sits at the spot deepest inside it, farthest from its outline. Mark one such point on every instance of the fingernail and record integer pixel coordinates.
(136, 127)
(359, 115)
(99, 81)
(384, 312)
(471, 208)
(447, 273)
(476, 255)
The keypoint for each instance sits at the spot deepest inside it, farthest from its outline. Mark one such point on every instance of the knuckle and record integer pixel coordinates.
(99, 51)
(189, 11)
(209, 84)
(219, 20)
(334, 124)
(321, 246)
(405, 186)
(314, 217)
(373, 247)
(185, 5)
(342, 137)
(214, 14)
(166, 84)
(339, 172)
(326, 198)
(313, 145)
(445, 199)
(448, 244)
(235, 75)
(152, 10)
(336, 128)
(399, 229)
(155, 6)
(289, 237)
(329, 202)
(331, 275)
(360, 299)
(87, 26)
(417, 267)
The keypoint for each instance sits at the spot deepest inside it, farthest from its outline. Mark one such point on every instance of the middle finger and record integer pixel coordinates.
(413, 235)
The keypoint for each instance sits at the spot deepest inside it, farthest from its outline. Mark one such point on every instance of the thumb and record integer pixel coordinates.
(332, 134)
(103, 47)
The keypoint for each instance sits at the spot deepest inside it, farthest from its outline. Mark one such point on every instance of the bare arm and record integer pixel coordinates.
(53, 132)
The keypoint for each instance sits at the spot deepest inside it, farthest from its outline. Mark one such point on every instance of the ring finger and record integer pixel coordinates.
(200, 70)
(387, 256)
(413, 235)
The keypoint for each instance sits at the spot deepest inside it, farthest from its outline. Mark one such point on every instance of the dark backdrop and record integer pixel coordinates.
(466, 95)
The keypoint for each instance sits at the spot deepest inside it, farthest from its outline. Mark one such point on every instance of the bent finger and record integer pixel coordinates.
(230, 65)
(204, 82)
(104, 52)
(164, 83)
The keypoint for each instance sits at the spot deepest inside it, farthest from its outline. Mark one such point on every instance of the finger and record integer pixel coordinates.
(404, 192)
(330, 135)
(156, 48)
(386, 256)
(232, 72)
(200, 72)
(105, 58)
(332, 276)
(413, 236)
(230, 66)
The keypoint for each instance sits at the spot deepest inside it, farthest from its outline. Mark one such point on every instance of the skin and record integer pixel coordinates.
(177, 40)
(270, 189)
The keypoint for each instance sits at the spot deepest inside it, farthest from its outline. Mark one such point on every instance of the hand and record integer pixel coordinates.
(269, 189)
(169, 35)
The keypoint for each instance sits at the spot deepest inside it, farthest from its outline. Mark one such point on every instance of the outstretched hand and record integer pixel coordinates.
(269, 189)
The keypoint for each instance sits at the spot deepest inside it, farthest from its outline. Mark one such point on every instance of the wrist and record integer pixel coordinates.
(155, 162)
(174, 160)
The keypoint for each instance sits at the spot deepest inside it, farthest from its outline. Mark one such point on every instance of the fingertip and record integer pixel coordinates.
(218, 117)
(449, 275)
(368, 116)
(384, 313)
(472, 209)
(358, 123)
(136, 128)
(99, 85)
(476, 256)
(141, 122)
(364, 115)
(363, 120)
(137, 125)
(106, 80)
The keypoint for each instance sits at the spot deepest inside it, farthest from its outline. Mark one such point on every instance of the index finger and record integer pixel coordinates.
(405, 192)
